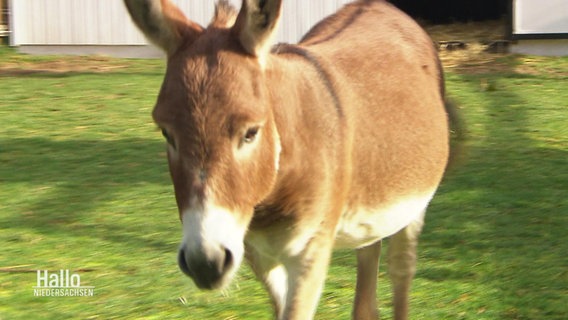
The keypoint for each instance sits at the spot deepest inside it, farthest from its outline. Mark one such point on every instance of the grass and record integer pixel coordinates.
(84, 186)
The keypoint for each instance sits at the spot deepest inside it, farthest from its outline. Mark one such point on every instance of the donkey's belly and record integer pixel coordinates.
(361, 226)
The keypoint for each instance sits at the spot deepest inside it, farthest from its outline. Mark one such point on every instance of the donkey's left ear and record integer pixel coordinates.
(256, 26)
(163, 23)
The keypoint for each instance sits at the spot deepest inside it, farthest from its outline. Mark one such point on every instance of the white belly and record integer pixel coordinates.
(361, 226)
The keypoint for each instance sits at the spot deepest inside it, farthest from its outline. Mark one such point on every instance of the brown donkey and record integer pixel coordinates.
(282, 153)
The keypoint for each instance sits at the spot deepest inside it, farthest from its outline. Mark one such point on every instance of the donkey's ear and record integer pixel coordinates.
(163, 23)
(256, 26)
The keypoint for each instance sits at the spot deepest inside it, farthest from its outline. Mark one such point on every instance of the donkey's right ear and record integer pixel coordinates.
(163, 23)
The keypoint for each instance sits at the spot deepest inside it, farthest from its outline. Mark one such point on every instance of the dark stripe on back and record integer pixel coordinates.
(315, 30)
(285, 48)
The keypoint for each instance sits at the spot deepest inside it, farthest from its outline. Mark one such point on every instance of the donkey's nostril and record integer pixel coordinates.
(228, 260)
(182, 262)
(206, 267)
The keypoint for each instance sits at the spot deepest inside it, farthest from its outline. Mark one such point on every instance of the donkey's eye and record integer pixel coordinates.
(169, 138)
(251, 134)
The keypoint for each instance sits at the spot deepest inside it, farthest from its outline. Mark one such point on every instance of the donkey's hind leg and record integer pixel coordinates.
(365, 306)
(402, 264)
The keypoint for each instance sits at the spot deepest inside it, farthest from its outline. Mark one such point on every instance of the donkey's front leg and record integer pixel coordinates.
(306, 277)
(273, 275)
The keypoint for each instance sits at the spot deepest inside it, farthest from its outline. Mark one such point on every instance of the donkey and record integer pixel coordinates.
(282, 153)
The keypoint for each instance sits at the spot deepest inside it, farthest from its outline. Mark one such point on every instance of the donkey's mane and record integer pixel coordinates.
(225, 14)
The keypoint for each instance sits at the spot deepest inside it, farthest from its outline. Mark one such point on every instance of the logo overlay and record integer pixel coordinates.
(61, 284)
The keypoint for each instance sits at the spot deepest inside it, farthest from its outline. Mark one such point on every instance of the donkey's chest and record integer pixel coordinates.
(360, 226)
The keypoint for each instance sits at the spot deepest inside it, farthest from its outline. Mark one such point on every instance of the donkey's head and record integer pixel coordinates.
(214, 110)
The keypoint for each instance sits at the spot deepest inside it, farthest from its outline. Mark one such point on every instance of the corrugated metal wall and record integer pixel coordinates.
(540, 17)
(71, 22)
(106, 22)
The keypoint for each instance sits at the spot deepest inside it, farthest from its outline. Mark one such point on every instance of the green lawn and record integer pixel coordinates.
(84, 186)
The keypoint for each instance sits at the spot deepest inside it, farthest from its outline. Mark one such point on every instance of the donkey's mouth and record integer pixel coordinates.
(207, 273)
(212, 247)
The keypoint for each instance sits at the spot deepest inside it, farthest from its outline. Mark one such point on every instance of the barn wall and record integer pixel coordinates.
(103, 26)
(542, 47)
(539, 27)
(78, 22)
(539, 17)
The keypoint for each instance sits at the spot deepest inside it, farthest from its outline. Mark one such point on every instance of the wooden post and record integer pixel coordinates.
(4, 21)
(2, 10)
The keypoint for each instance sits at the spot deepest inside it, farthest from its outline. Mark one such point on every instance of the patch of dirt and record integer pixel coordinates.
(75, 64)
(534, 65)
(472, 58)
(476, 36)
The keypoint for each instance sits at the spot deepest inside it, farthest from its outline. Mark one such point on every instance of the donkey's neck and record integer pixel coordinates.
(305, 101)
(310, 121)
(304, 92)
(300, 60)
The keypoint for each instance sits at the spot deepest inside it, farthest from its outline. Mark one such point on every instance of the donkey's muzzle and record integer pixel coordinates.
(207, 268)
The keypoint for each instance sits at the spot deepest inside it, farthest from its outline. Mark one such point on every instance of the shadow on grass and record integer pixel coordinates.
(54, 74)
(68, 180)
(500, 220)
